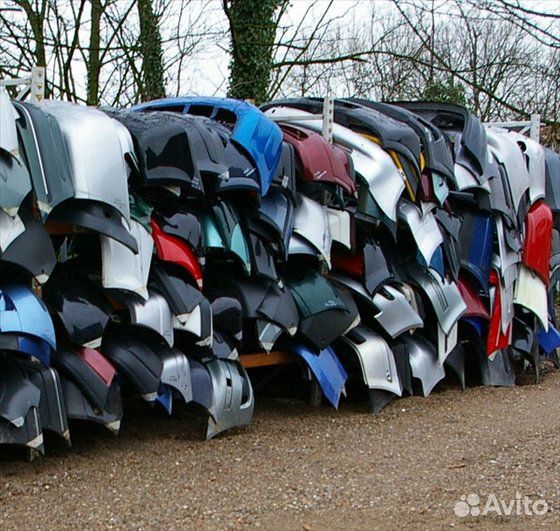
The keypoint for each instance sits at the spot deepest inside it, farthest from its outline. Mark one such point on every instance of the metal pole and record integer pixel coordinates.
(37, 84)
(328, 117)
(535, 130)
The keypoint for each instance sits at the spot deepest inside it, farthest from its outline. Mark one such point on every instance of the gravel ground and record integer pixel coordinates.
(297, 467)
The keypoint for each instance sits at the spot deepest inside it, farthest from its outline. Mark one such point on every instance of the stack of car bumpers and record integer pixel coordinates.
(147, 252)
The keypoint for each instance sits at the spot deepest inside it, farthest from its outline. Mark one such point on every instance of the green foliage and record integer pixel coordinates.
(445, 92)
(253, 30)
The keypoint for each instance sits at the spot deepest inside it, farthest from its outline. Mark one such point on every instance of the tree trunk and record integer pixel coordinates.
(94, 63)
(252, 32)
(153, 85)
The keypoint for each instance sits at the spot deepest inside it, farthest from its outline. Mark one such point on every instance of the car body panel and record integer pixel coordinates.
(465, 130)
(133, 352)
(87, 133)
(552, 188)
(15, 182)
(122, 269)
(154, 314)
(497, 338)
(78, 407)
(258, 136)
(327, 370)
(177, 251)
(424, 229)
(92, 373)
(96, 216)
(477, 237)
(179, 294)
(340, 224)
(443, 294)
(535, 157)
(233, 401)
(46, 155)
(10, 229)
(32, 250)
(530, 292)
(376, 359)
(507, 153)
(497, 371)
(538, 240)
(473, 301)
(22, 311)
(175, 375)
(384, 181)
(424, 363)
(311, 223)
(549, 340)
(320, 161)
(29, 345)
(52, 409)
(80, 305)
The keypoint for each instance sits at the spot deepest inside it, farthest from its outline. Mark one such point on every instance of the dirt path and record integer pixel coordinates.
(297, 467)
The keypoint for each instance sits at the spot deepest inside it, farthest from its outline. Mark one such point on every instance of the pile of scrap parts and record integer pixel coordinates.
(157, 252)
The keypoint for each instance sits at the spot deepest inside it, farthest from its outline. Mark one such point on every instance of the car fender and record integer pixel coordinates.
(198, 322)
(180, 224)
(267, 334)
(121, 268)
(340, 225)
(538, 240)
(473, 301)
(377, 362)
(424, 229)
(179, 294)
(552, 188)
(15, 182)
(424, 363)
(21, 311)
(312, 224)
(52, 410)
(327, 370)
(506, 151)
(79, 304)
(19, 395)
(157, 138)
(176, 374)
(549, 341)
(92, 373)
(497, 370)
(32, 250)
(262, 258)
(174, 250)
(47, 157)
(395, 314)
(88, 132)
(98, 217)
(477, 238)
(536, 165)
(444, 295)
(10, 229)
(530, 292)
(233, 400)
(133, 352)
(257, 135)
(277, 212)
(154, 314)
(320, 161)
(78, 407)
(37, 349)
(384, 181)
